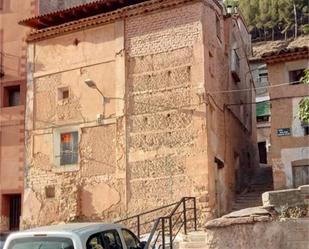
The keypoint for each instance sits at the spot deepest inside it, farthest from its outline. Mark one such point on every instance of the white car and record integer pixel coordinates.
(75, 236)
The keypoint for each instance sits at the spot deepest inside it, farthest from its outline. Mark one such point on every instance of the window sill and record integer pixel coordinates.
(66, 168)
(12, 107)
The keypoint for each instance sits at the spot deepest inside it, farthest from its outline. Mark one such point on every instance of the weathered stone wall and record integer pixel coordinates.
(166, 124)
(286, 234)
(287, 197)
(13, 65)
(286, 149)
(157, 142)
(94, 188)
(231, 129)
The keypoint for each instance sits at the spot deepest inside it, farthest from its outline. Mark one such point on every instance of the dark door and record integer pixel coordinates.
(262, 152)
(300, 175)
(15, 211)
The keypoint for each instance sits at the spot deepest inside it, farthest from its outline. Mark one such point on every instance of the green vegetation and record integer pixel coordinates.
(274, 19)
(303, 112)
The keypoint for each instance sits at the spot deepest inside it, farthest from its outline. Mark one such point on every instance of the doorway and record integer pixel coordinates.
(262, 152)
(15, 211)
(12, 209)
(300, 175)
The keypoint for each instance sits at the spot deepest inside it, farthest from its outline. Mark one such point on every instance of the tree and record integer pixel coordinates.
(303, 112)
(278, 17)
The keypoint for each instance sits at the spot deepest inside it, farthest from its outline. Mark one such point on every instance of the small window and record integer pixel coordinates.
(296, 75)
(69, 148)
(130, 239)
(218, 27)
(262, 118)
(50, 191)
(63, 93)
(11, 96)
(235, 66)
(263, 76)
(306, 130)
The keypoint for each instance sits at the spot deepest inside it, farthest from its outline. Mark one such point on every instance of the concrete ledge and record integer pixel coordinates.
(287, 197)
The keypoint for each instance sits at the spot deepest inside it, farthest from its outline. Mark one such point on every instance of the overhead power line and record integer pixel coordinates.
(257, 88)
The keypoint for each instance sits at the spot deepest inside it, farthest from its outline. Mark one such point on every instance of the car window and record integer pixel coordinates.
(111, 240)
(95, 242)
(130, 239)
(41, 243)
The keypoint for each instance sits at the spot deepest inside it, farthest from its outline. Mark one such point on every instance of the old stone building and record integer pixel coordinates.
(260, 77)
(135, 107)
(289, 136)
(13, 50)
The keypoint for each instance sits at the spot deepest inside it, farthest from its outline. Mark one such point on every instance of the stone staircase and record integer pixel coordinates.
(252, 196)
(193, 240)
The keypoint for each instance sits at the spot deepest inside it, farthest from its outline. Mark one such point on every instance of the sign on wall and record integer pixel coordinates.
(283, 132)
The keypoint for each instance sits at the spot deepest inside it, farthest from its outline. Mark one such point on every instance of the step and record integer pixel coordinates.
(248, 201)
(195, 237)
(246, 206)
(244, 203)
(193, 245)
(250, 197)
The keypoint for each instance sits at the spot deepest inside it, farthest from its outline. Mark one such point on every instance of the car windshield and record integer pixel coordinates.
(41, 243)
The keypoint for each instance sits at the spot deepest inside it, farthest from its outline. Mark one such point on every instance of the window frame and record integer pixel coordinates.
(263, 119)
(295, 82)
(57, 146)
(101, 234)
(218, 27)
(6, 89)
(68, 158)
(133, 235)
(60, 94)
(294, 167)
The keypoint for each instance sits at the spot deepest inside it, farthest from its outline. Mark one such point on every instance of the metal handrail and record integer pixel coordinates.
(153, 230)
(162, 220)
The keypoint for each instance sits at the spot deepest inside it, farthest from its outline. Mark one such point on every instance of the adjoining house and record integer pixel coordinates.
(263, 115)
(289, 136)
(260, 76)
(13, 51)
(133, 105)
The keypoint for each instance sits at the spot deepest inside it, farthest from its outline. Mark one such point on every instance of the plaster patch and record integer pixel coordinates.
(98, 198)
(290, 155)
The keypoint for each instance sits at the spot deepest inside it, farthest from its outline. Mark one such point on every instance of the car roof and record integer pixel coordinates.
(77, 228)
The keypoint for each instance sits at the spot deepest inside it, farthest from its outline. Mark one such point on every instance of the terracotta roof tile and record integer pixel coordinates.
(76, 13)
(285, 51)
(261, 48)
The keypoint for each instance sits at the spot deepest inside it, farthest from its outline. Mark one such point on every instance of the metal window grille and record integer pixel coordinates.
(69, 148)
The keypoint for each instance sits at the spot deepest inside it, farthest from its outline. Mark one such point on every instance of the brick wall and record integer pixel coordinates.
(161, 123)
